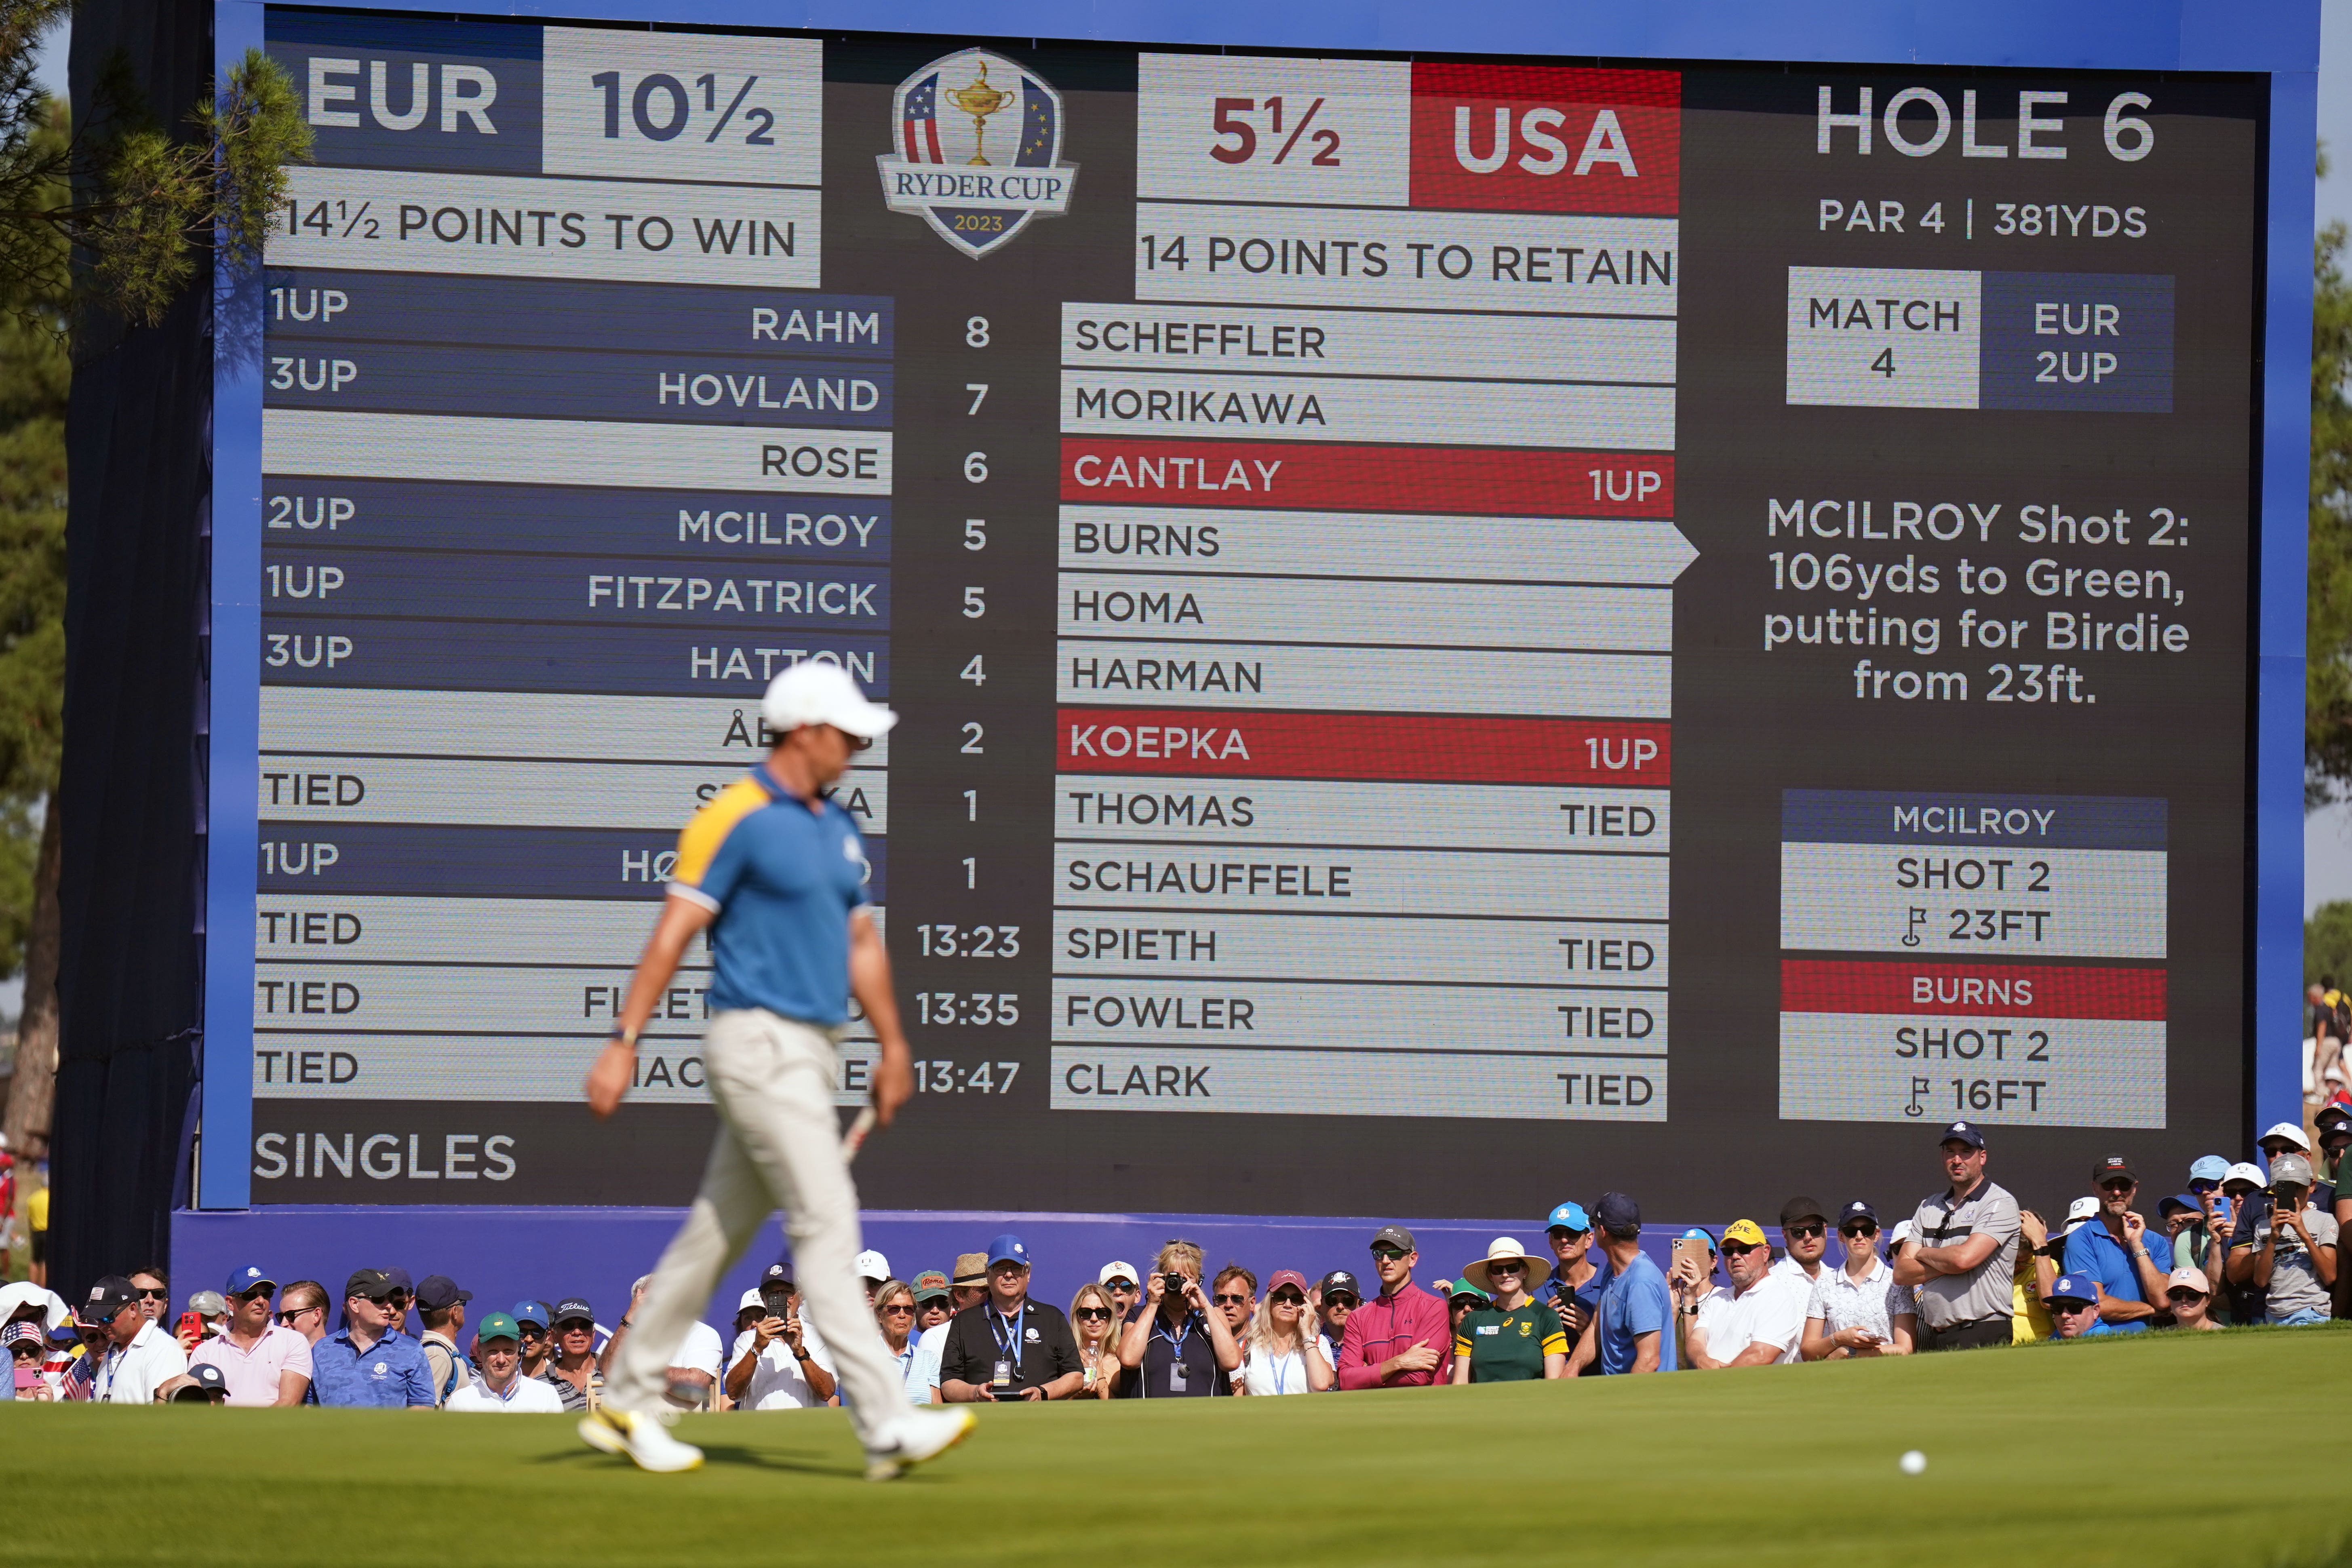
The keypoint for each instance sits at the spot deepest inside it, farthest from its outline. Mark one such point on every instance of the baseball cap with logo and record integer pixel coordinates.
(107, 1298)
(535, 1313)
(1290, 1276)
(2290, 1170)
(2072, 1287)
(498, 1326)
(2285, 1132)
(2079, 1212)
(971, 1268)
(1118, 1268)
(872, 1265)
(1743, 1232)
(249, 1279)
(1394, 1235)
(571, 1308)
(776, 1277)
(2244, 1170)
(1569, 1216)
(2210, 1168)
(1699, 1232)
(1463, 1290)
(1008, 1248)
(2114, 1168)
(931, 1285)
(1858, 1209)
(2187, 1278)
(208, 1304)
(1966, 1132)
(438, 1291)
(814, 693)
(206, 1384)
(401, 1281)
(1340, 1282)
(369, 1284)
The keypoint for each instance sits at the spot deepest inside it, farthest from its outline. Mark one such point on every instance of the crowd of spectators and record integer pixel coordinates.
(1969, 1266)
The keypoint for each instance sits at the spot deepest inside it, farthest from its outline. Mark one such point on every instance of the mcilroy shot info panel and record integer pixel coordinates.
(1585, 603)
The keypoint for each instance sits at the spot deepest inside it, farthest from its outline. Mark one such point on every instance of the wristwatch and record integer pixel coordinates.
(625, 1035)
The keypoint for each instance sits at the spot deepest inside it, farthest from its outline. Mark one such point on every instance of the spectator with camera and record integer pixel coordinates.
(1859, 1308)
(1007, 1346)
(264, 1363)
(1513, 1338)
(1759, 1319)
(1632, 1327)
(778, 1363)
(1177, 1344)
(1402, 1338)
(2290, 1255)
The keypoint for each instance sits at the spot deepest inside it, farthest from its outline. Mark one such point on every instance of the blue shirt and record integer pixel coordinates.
(1632, 1302)
(387, 1375)
(784, 878)
(2091, 1250)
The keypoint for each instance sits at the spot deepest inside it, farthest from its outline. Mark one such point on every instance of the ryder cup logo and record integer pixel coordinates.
(979, 149)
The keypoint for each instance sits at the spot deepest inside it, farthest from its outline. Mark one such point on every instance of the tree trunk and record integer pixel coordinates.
(34, 1095)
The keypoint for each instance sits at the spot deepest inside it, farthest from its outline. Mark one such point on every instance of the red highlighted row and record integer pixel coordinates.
(1463, 481)
(1972, 990)
(1508, 138)
(1414, 748)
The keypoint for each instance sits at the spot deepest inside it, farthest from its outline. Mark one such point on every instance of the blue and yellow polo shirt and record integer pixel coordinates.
(786, 878)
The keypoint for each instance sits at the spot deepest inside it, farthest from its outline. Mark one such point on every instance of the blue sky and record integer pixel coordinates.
(2327, 834)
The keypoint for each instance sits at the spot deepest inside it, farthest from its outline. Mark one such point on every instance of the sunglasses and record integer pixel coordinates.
(1506, 1266)
(1561, 1233)
(1093, 1314)
(1738, 1249)
(1804, 1232)
(288, 1318)
(2183, 1298)
(1340, 1300)
(2069, 1309)
(575, 1326)
(1286, 1298)
(145, 1294)
(2201, 1187)
(2118, 1187)
(1389, 1254)
(1859, 1232)
(906, 1307)
(1231, 1300)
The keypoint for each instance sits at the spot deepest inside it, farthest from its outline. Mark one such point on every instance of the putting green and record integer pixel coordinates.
(2102, 1452)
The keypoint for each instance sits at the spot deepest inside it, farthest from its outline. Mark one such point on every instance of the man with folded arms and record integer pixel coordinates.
(262, 1362)
(502, 1386)
(1758, 1321)
(1961, 1254)
(1402, 1338)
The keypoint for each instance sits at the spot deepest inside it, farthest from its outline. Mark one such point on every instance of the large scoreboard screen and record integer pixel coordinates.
(1462, 625)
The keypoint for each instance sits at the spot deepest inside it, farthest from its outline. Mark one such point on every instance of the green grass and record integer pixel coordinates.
(2104, 1452)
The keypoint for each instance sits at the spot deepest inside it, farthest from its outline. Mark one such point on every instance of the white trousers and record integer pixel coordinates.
(779, 1145)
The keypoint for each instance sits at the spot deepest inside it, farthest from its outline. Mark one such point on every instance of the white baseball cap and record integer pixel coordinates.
(751, 1298)
(2194, 1278)
(872, 1265)
(2081, 1211)
(2245, 1170)
(1116, 1269)
(2287, 1131)
(812, 692)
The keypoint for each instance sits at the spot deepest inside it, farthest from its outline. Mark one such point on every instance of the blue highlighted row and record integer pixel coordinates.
(461, 861)
(565, 313)
(620, 661)
(711, 528)
(545, 383)
(749, 597)
(1939, 816)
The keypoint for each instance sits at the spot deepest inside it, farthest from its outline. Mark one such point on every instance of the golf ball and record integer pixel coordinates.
(1914, 1462)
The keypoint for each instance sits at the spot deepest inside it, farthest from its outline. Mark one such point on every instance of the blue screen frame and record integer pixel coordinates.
(2277, 37)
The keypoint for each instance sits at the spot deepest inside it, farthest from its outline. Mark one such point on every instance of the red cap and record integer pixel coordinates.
(1282, 1277)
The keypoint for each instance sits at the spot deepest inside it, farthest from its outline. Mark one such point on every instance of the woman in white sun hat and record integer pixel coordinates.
(1517, 1340)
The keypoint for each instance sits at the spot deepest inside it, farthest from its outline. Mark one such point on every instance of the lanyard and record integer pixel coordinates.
(1175, 1341)
(1281, 1368)
(995, 1318)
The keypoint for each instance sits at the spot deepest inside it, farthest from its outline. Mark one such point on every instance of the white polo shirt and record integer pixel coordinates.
(1872, 1302)
(777, 1382)
(700, 1352)
(1770, 1312)
(524, 1396)
(132, 1374)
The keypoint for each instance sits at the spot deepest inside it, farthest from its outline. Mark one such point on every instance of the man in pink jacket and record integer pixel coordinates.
(1401, 1338)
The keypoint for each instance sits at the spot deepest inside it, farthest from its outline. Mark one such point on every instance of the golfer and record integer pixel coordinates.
(777, 872)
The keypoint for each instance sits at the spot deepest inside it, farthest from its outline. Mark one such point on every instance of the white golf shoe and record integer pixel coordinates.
(915, 1436)
(642, 1438)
